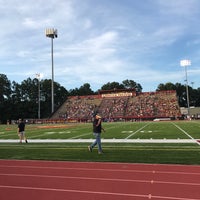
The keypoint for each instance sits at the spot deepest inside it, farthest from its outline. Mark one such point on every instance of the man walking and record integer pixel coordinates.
(97, 127)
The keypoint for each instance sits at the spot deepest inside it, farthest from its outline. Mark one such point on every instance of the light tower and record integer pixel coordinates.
(185, 64)
(52, 33)
(38, 77)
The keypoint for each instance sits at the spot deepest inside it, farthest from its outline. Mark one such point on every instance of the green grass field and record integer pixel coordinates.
(135, 152)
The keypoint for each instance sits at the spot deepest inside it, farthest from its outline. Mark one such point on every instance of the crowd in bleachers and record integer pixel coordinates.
(143, 105)
(156, 104)
(79, 108)
(113, 107)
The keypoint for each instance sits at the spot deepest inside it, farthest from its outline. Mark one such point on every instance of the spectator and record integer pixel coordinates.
(21, 131)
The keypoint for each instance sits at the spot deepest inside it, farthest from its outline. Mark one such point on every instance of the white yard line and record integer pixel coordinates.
(78, 136)
(137, 131)
(186, 133)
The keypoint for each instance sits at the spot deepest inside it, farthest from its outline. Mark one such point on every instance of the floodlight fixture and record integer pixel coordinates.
(51, 32)
(185, 63)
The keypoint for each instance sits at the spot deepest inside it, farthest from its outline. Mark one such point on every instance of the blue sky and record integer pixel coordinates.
(101, 41)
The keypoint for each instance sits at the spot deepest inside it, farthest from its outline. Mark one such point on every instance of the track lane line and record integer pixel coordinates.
(104, 179)
(148, 196)
(102, 169)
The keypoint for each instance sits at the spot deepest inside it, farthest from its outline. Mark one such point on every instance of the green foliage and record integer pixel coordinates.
(83, 90)
(21, 100)
(5, 88)
(128, 84)
(194, 95)
(112, 85)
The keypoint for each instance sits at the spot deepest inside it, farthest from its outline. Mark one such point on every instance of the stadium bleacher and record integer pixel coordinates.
(121, 105)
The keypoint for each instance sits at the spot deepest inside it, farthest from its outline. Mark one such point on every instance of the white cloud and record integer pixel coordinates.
(100, 41)
(35, 24)
(179, 7)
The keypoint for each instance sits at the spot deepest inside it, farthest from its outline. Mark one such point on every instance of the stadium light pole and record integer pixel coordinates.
(52, 33)
(185, 64)
(192, 84)
(38, 77)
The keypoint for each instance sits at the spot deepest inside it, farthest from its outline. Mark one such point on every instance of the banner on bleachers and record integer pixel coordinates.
(119, 94)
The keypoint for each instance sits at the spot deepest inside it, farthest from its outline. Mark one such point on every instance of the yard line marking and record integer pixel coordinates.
(6, 134)
(97, 193)
(90, 133)
(185, 133)
(137, 131)
(78, 136)
(36, 136)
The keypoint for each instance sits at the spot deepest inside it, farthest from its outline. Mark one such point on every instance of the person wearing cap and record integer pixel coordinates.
(21, 131)
(97, 127)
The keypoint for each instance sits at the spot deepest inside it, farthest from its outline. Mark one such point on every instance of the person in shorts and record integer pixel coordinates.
(21, 131)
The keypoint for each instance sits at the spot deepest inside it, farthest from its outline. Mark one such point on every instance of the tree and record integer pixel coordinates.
(198, 97)
(181, 93)
(128, 84)
(5, 88)
(5, 96)
(29, 90)
(25, 98)
(166, 86)
(85, 89)
(60, 95)
(112, 85)
(74, 92)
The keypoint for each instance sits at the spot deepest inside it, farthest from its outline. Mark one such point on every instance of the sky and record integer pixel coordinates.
(101, 41)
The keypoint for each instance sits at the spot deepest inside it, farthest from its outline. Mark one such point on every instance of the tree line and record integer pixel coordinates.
(20, 100)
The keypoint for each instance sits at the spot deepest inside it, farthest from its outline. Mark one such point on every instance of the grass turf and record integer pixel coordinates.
(134, 152)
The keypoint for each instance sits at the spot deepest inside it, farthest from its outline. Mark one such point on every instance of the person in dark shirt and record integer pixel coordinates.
(21, 131)
(97, 127)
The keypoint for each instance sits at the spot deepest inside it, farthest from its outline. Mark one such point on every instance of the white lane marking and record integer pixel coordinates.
(102, 179)
(96, 192)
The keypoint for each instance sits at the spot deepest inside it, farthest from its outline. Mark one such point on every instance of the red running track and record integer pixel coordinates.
(51, 180)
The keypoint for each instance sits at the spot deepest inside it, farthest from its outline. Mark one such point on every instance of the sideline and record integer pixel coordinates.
(104, 141)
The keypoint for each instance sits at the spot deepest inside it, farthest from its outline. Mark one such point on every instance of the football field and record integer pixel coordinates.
(142, 142)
